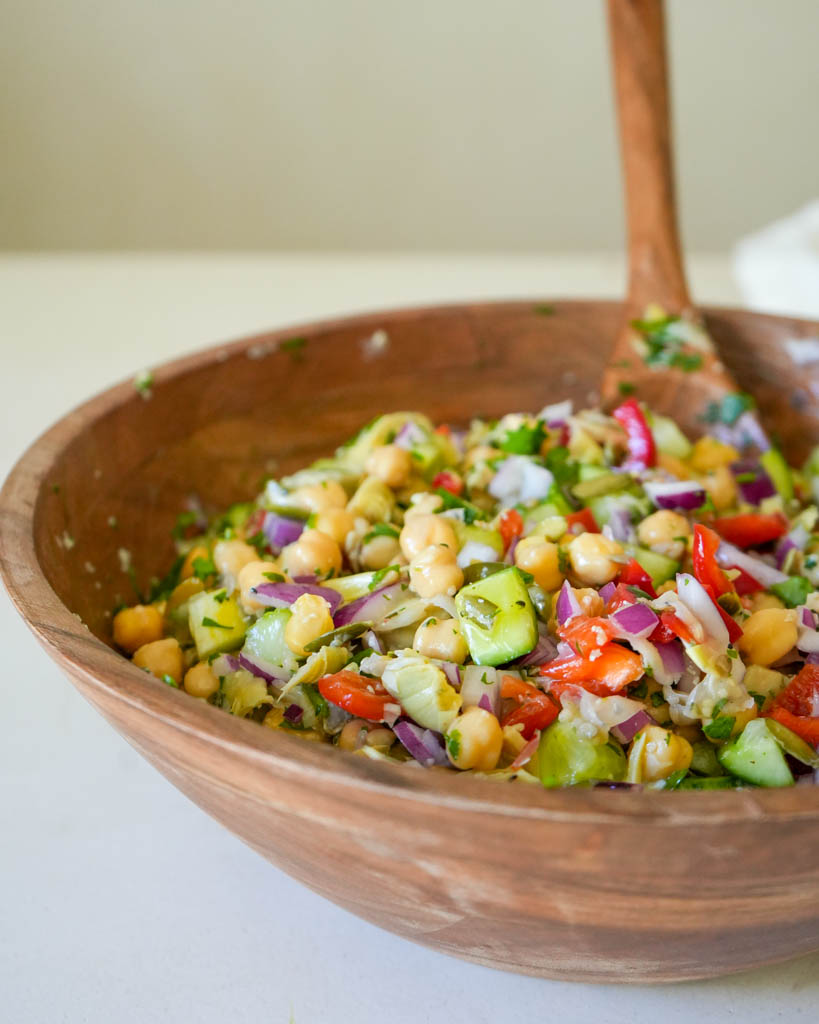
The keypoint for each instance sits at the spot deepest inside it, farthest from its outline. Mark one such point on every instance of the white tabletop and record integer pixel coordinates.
(119, 899)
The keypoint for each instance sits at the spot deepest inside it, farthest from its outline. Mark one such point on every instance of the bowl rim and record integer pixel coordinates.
(112, 675)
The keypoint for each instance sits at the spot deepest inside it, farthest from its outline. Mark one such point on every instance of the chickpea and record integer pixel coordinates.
(761, 600)
(709, 454)
(161, 658)
(435, 571)
(425, 505)
(311, 618)
(380, 552)
(320, 497)
(380, 737)
(183, 592)
(201, 680)
(657, 753)
(474, 740)
(197, 551)
(767, 635)
(591, 557)
(721, 487)
(481, 453)
(540, 558)
(354, 734)
(336, 523)
(314, 553)
(442, 639)
(390, 464)
(250, 576)
(589, 600)
(134, 627)
(423, 531)
(666, 532)
(230, 557)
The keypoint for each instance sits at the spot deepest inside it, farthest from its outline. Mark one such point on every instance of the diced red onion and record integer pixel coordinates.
(486, 704)
(567, 605)
(731, 557)
(620, 522)
(673, 658)
(813, 658)
(796, 540)
(626, 731)
(424, 745)
(281, 530)
(519, 479)
(371, 607)
(807, 636)
(749, 430)
(757, 489)
(635, 620)
(684, 494)
(697, 601)
(282, 595)
(510, 554)
(224, 664)
(565, 650)
(557, 412)
(410, 435)
(263, 669)
(452, 672)
(293, 713)
(526, 753)
(607, 592)
(473, 688)
(807, 617)
(636, 786)
(544, 651)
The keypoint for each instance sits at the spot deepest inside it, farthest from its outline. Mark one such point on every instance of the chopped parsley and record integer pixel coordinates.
(170, 681)
(453, 744)
(203, 568)
(380, 574)
(657, 699)
(274, 577)
(544, 309)
(294, 346)
(183, 521)
(220, 597)
(626, 388)
(525, 440)
(143, 382)
(663, 345)
(381, 530)
(161, 588)
(720, 728)
(675, 778)
(759, 699)
(471, 512)
(729, 408)
(562, 466)
(213, 624)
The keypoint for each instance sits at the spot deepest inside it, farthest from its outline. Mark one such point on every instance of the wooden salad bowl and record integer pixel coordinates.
(581, 884)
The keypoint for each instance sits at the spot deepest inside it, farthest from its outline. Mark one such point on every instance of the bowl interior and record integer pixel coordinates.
(216, 424)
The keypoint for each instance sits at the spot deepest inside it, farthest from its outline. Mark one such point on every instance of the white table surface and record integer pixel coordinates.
(120, 901)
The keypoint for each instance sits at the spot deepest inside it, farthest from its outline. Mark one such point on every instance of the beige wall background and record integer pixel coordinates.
(373, 124)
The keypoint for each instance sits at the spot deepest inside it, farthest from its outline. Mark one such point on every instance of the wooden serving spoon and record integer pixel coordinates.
(672, 365)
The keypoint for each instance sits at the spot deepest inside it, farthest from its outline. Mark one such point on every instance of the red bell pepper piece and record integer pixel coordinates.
(733, 627)
(634, 575)
(704, 557)
(797, 706)
(642, 452)
(449, 481)
(584, 518)
(670, 627)
(510, 525)
(751, 530)
(535, 709)
(612, 669)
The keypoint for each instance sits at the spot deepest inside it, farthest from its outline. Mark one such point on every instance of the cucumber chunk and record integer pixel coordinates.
(659, 567)
(565, 758)
(756, 756)
(778, 470)
(216, 623)
(265, 639)
(709, 782)
(497, 618)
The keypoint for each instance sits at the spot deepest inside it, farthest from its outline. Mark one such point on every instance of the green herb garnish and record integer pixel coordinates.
(381, 530)
(793, 591)
(213, 624)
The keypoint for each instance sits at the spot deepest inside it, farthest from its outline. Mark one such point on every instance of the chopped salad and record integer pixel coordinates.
(564, 599)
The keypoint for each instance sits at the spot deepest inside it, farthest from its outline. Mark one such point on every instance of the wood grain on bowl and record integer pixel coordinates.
(587, 885)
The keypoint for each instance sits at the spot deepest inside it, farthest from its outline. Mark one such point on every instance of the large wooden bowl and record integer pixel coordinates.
(587, 885)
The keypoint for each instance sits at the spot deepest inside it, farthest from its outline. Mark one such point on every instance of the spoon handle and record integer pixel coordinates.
(656, 272)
